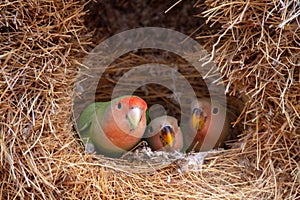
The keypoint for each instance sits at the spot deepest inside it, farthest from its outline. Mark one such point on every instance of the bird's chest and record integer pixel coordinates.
(118, 133)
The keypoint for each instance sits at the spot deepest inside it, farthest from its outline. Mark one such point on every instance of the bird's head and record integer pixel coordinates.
(167, 136)
(201, 113)
(134, 109)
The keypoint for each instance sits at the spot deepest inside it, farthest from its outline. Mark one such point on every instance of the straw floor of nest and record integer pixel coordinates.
(255, 45)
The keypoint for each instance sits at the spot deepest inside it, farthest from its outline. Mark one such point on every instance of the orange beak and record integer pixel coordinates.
(198, 119)
(167, 136)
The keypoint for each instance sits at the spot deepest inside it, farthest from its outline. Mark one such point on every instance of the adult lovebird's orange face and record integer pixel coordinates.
(129, 112)
(126, 121)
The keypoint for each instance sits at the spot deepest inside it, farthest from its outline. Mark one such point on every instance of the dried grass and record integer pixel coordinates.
(256, 48)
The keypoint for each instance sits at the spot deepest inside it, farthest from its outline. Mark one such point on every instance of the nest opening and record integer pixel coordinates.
(155, 93)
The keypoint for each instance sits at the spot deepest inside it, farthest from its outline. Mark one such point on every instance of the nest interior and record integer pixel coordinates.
(255, 45)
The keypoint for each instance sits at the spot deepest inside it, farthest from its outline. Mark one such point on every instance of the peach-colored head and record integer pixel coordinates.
(164, 134)
(200, 127)
(126, 121)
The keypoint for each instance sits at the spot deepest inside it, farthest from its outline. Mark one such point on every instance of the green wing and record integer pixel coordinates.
(88, 115)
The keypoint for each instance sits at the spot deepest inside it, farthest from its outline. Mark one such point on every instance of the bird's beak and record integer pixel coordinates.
(198, 119)
(167, 136)
(134, 117)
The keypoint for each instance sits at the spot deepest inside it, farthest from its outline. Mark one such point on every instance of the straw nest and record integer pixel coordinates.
(255, 45)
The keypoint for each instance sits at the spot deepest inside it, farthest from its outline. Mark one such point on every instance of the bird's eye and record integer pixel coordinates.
(119, 105)
(215, 110)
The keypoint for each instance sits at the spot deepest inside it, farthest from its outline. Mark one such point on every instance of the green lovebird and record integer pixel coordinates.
(114, 127)
(163, 134)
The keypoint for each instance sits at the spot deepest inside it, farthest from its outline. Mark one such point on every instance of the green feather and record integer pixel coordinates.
(88, 115)
(148, 119)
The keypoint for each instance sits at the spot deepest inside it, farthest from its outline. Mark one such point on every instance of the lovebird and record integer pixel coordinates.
(114, 127)
(163, 134)
(205, 129)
